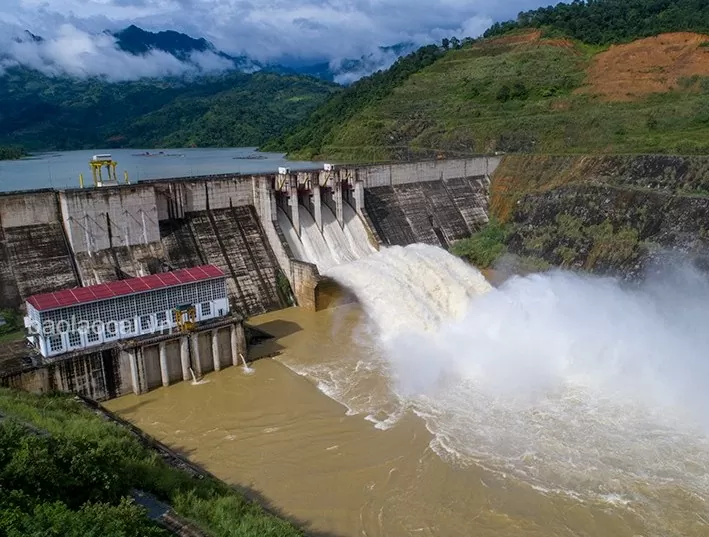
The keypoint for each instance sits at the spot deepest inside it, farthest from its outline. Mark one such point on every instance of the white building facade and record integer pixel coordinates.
(76, 319)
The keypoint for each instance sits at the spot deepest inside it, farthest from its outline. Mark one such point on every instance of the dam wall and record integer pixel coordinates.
(419, 172)
(231, 239)
(35, 256)
(436, 212)
(52, 240)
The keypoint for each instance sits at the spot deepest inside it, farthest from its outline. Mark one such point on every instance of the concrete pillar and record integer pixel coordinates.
(196, 362)
(272, 205)
(185, 358)
(359, 197)
(87, 231)
(163, 365)
(215, 350)
(238, 343)
(293, 202)
(135, 379)
(317, 207)
(337, 197)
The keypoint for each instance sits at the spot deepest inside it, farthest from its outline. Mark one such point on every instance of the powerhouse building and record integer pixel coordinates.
(76, 319)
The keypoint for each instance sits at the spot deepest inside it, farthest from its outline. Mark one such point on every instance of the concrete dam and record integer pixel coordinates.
(271, 235)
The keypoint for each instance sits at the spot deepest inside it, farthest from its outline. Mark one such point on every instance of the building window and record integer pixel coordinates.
(161, 318)
(74, 339)
(145, 323)
(56, 343)
(110, 331)
(92, 336)
(206, 309)
(128, 326)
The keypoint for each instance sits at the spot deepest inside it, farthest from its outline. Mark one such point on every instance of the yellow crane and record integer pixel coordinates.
(97, 165)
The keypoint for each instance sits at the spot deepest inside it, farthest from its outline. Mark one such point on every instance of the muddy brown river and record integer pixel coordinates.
(339, 457)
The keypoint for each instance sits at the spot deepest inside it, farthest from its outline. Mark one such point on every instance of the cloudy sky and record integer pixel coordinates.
(265, 30)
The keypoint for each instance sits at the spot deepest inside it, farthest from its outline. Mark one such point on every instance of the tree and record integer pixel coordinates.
(519, 91)
(504, 93)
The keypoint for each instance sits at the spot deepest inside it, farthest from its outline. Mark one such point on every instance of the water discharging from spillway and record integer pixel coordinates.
(334, 245)
(554, 405)
(557, 404)
(576, 385)
(573, 383)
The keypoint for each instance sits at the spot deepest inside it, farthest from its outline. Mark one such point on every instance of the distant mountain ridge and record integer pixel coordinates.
(136, 40)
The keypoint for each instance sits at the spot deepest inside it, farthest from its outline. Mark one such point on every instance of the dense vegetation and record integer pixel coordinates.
(484, 247)
(510, 94)
(11, 152)
(602, 22)
(307, 139)
(64, 472)
(234, 109)
(11, 325)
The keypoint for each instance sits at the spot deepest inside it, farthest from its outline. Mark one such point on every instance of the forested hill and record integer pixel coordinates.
(602, 22)
(11, 152)
(41, 112)
(527, 88)
(308, 138)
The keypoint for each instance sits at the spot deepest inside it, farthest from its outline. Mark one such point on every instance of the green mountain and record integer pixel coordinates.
(234, 109)
(527, 88)
(603, 22)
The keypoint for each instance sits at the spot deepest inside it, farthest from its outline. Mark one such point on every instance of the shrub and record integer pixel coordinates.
(485, 246)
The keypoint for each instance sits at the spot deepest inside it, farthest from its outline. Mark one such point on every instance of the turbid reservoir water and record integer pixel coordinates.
(62, 169)
(554, 405)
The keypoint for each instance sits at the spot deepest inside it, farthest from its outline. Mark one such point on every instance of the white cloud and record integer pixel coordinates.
(266, 31)
(81, 54)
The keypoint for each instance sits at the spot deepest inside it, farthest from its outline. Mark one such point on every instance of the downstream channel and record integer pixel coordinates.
(555, 405)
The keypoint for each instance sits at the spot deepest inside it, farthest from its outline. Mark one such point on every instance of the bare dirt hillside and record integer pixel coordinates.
(653, 65)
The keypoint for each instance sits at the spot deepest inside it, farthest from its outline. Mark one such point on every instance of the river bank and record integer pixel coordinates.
(104, 462)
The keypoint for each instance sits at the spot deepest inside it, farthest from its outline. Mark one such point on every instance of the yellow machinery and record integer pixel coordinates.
(185, 317)
(97, 164)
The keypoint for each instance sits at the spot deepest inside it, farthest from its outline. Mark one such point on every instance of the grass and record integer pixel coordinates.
(492, 97)
(212, 505)
(12, 336)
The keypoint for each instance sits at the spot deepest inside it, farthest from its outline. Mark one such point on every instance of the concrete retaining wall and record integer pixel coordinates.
(305, 278)
(98, 219)
(417, 172)
(34, 253)
(98, 376)
(432, 212)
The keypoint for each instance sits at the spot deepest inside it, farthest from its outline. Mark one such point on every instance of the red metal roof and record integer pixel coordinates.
(94, 293)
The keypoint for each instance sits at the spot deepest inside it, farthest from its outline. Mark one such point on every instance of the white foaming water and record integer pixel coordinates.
(356, 233)
(573, 383)
(291, 235)
(331, 247)
(316, 248)
(411, 289)
(335, 237)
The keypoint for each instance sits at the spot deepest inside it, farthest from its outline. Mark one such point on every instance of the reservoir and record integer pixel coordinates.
(61, 169)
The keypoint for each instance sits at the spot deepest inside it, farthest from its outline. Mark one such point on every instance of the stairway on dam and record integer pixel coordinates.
(431, 212)
(39, 258)
(232, 240)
